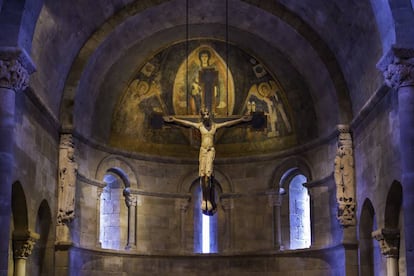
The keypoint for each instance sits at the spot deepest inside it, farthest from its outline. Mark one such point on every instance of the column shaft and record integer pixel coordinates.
(406, 117)
(7, 107)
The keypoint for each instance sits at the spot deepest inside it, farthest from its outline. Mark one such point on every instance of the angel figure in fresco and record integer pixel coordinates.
(207, 128)
(267, 92)
(132, 110)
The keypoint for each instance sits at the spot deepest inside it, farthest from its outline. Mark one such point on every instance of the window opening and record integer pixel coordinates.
(299, 209)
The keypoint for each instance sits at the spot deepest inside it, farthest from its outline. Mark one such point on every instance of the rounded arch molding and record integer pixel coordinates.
(185, 184)
(95, 41)
(19, 207)
(287, 169)
(118, 166)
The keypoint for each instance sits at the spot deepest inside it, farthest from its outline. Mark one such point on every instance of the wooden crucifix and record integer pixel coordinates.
(208, 78)
(208, 129)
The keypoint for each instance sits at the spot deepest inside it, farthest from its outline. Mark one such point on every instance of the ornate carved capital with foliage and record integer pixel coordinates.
(400, 73)
(23, 244)
(389, 241)
(13, 75)
(398, 67)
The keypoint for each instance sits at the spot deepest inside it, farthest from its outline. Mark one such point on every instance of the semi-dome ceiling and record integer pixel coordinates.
(306, 47)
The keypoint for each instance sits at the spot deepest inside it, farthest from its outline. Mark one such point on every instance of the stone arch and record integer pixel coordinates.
(385, 23)
(119, 179)
(120, 167)
(22, 17)
(287, 169)
(393, 206)
(42, 255)
(291, 173)
(19, 208)
(402, 21)
(327, 57)
(85, 53)
(185, 185)
(367, 224)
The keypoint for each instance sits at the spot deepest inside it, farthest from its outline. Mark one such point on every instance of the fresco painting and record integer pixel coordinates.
(174, 82)
(189, 85)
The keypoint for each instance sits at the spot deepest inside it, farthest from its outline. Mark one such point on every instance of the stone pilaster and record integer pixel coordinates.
(228, 206)
(15, 68)
(398, 69)
(275, 202)
(182, 204)
(389, 241)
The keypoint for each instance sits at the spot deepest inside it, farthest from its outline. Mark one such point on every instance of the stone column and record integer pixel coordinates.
(67, 188)
(275, 202)
(99, 191)
(182, 204)
(23, 244)
(398, 69)
(15, 67)
(389, 241)
(228, 206)
(131, 203)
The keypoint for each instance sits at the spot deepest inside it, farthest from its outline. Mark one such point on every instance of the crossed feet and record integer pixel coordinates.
(206, 205)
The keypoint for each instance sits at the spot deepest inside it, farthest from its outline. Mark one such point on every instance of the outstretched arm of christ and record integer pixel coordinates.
(172, 119)
(234, 122)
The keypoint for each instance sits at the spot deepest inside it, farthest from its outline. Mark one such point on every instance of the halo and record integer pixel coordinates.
(142, 88)
(264, 93)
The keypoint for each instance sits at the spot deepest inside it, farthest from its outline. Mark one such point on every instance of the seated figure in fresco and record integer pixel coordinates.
(207, 128)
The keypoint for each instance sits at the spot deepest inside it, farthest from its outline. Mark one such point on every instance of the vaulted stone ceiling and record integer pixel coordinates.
(89, 52)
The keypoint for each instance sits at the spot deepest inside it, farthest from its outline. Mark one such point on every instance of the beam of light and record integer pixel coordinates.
(206, 234)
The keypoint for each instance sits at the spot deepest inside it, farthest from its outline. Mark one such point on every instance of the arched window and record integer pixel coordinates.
(205, 227)
(299, 213)
(114, 213)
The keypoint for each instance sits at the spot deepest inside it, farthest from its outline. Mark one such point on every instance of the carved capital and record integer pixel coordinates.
(13, 75)
(400, 73)
(15, 68)
(23, 244)
(389, 241)
(275, 200)
(182, 204)
(398, 67)
(227, 203)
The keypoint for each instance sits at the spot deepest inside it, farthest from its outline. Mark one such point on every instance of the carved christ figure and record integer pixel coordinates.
(207, 128)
